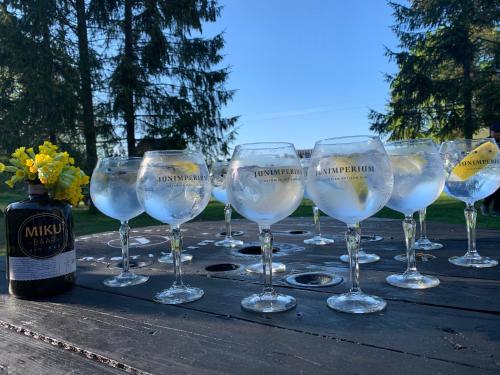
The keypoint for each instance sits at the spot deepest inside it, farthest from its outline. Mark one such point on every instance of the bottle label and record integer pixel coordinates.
(42, 236)
(25, 268)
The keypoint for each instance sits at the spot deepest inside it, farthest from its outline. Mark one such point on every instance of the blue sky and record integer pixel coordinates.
(305, 69)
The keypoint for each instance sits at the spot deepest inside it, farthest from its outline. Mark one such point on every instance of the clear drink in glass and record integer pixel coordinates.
(265, 185)
(350, 179)
(174, 186)
(472, 173)
(112, 189)
(418, 181)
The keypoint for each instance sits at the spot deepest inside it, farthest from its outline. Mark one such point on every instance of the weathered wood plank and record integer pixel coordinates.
(453, 237)
(167, 339)
(445, 333)
(443, 325)
(472, 290)
(23, 355)
(454, 292)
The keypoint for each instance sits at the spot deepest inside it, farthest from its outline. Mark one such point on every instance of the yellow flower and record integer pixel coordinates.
(30, 163)
(20, 154)
(47, 148)
(54, 169)
(69, 186)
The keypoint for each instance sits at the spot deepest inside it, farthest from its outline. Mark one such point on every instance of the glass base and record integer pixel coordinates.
(319, 241)
(125, 279)
(427, 245)
(167, 258)
(132, 263)
(258, 268)
(356, 303)
(413, 280)
(419, 257)
(234, 233)
(363, 258)
(474, 261)
(268, 302)
(229, 242)
(371, 238)
(176, 295)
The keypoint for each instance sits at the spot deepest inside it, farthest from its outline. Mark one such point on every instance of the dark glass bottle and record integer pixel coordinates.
(41, 258)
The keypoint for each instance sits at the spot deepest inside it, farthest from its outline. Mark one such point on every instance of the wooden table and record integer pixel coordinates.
(451, 329)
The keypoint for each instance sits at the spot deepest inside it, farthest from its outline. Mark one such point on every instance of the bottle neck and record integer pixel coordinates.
(37, 191)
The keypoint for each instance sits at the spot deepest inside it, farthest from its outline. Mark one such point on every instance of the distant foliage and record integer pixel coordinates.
(448, 83)
(126, 75)
(38, 78)
(165, 83)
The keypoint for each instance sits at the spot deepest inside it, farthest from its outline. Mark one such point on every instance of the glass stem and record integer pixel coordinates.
(227, 217)
(124, 238)
(266, 244)
(410, 229)
(470, 218)
(423, 227)
(353, 241)
(317, 226)
(176, 245)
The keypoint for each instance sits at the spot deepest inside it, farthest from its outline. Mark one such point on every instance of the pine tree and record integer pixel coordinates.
(39, 96)
(164, 85)
(448, 80)
(86, 94)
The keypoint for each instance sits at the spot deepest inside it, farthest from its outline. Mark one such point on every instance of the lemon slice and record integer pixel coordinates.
(355, 180)
(186, 167)
(408, 164)
(475, 161)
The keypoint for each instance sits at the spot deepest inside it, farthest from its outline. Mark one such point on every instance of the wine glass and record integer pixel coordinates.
(112, 188)
(350, 179)
(219, 172)
(418, 181)
(265, 185)
(317, 239)
(363, 256)
(423, 243)
(169, 257)
(472, 173)
(174, 186)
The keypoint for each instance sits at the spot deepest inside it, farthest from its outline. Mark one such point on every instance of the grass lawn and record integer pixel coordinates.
(445, 209)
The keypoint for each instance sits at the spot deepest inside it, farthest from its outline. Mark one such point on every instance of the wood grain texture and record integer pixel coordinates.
(23, 355)
(454, 328)
(182, 340)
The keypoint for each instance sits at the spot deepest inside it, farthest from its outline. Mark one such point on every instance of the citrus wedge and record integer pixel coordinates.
(355, 180)
(475, 161)
(186, 166)
(408, 164)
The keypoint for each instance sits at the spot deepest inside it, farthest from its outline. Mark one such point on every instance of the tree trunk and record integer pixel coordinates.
(469, 126)
(47, 72)
(86, 86)
(129, 88)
